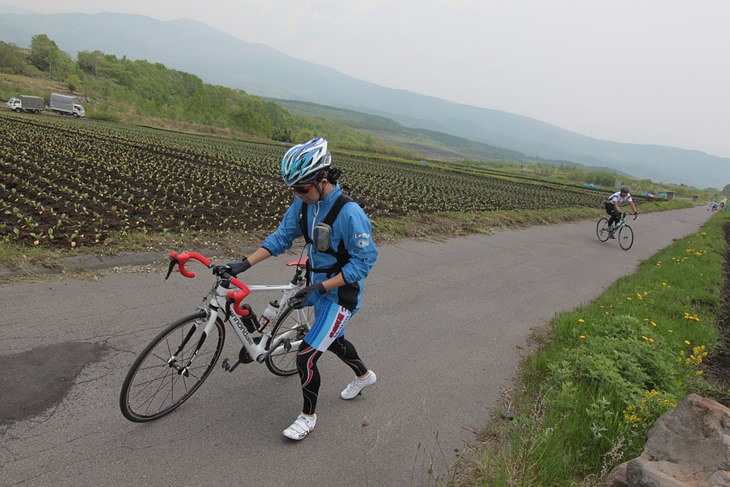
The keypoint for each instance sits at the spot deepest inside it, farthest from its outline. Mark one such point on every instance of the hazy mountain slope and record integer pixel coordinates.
(427, 141)
(222, 59)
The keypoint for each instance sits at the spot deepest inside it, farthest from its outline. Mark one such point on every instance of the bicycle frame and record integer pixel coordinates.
(623, 221)
(218, 307)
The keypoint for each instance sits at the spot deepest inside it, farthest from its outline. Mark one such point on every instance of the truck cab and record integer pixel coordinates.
(78, 110)
(14, 104)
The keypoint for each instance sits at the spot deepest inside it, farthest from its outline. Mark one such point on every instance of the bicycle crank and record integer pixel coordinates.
(243, 358)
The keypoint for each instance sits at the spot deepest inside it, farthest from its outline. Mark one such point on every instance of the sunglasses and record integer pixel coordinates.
(302, 189)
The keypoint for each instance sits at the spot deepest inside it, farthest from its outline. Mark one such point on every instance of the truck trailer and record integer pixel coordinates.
(65, 105)
(27, 103)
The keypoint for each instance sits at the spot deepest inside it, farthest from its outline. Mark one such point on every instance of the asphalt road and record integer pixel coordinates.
(442, 324)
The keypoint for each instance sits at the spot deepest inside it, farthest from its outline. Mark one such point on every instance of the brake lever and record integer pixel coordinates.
(170, 268)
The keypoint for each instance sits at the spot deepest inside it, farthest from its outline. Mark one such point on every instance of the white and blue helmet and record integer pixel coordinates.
(304, 161)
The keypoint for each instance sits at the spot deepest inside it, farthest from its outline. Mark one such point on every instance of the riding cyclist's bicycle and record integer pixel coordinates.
(622, 231)
(175, 364)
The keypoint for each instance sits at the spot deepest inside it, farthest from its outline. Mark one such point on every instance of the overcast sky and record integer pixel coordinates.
(644, 71)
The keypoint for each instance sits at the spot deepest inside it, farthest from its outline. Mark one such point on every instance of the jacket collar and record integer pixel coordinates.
(329, 200)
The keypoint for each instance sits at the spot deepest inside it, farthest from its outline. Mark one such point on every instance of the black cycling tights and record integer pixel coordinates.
(615, 215)
(309, 373)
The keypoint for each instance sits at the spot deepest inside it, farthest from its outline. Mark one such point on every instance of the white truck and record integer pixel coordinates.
(65, 105)
(26, 103)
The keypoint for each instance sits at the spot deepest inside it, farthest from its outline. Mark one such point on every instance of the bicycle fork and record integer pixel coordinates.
(185, 370)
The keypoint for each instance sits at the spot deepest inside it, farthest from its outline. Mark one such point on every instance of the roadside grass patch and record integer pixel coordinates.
(436, 226)
(444, 225)
(606, 371)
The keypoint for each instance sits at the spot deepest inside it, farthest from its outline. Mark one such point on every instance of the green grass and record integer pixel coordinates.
(453, 224)
(606, 371)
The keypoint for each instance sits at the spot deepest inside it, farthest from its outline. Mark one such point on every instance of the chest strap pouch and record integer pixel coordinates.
(322, 236)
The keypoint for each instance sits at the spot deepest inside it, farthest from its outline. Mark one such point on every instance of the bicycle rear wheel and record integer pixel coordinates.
(602, 229)
(625, 237)
(291, 326)
(157, 384)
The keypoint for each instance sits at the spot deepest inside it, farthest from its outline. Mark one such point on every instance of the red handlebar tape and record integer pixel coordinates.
(186, 256)
(236, 296)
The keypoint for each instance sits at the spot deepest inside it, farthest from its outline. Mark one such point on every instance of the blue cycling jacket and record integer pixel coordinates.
(352, 227)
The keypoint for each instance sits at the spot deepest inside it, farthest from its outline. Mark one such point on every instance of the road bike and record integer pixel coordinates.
(622, 230)
(177, 362)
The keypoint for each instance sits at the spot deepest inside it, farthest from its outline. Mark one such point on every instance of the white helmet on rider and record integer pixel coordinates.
(303, 163)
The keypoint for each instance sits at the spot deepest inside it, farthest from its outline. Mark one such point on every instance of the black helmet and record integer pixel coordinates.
(624, 189)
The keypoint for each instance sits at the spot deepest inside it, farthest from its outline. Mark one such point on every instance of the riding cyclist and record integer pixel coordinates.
(341, 253)
(612, 205)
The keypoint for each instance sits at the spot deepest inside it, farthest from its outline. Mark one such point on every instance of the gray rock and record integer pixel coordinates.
(687, 447)
(617, 477)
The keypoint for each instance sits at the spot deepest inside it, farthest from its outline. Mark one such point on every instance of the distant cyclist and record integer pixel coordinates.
(613, 204)
(341, 253)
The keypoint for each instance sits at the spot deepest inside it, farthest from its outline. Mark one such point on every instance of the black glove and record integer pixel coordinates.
(233, 268)
(301, 297)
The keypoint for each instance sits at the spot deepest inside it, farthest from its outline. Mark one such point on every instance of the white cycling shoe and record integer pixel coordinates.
(353, 388)
(301, 427)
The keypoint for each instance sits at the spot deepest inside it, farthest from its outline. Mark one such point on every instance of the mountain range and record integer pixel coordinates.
(219, 58)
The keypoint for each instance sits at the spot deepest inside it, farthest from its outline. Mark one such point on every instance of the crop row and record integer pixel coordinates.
(72, 182)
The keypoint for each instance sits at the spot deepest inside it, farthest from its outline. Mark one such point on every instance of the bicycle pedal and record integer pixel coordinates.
(226, 365)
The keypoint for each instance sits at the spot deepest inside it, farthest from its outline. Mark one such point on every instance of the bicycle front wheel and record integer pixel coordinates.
(289, 330)
(161, 379)
(602, 229)
(626, 237)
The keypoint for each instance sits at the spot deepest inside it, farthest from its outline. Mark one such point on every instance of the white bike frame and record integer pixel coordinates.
(217, 308)
(257, 351)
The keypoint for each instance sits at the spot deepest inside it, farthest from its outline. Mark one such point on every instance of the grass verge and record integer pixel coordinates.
(386, 230)
(603, 373)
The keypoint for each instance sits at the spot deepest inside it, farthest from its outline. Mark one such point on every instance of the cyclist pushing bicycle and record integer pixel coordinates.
(612, 205)
(341, 253)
